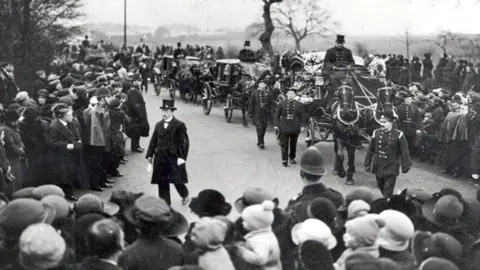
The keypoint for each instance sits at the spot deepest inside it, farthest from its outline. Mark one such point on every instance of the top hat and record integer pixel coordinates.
(247, 43)
(340, 39)
(168, 104)
(179, 44)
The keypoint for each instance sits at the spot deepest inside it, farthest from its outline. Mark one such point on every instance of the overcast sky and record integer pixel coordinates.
(357, 17)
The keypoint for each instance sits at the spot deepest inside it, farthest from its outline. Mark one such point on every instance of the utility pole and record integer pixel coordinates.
(125, 23)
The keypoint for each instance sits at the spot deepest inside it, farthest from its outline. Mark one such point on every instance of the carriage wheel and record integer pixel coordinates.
(324, 131)
(207, 99)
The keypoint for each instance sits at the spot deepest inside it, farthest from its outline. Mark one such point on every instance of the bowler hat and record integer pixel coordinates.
(90, 203)
(168, 104)
(114, 103)
(253, 196)
(425, 245)
(21, 213)
(210, 202)
(448, 210)
(42, 93)
(311, 162)
(340, 39)
(154, 212)
(247, 43)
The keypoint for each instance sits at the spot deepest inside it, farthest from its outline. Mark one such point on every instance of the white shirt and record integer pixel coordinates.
(166, 122)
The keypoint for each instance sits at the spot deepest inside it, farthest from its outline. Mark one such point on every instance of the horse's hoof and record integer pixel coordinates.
(341, 174)
(349, 182)
(335, 172)
(245, 125)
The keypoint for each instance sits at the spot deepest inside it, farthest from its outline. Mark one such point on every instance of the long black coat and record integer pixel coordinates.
(259, 107)
(290, 117)
(166, 146)
(136, 110)
(65, 164)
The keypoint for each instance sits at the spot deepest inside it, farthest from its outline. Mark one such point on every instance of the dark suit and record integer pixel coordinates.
(386, 151)
(166, 146)
(339, 57)
(259, 109)
(246, 55)
(410, 120)
(289, 118)
(67, 165)
(136, 110)
(178, 52)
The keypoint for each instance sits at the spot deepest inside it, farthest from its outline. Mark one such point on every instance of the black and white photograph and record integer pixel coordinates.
(240, 135)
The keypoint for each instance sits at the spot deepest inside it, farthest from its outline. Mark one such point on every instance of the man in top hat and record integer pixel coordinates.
(246, 54)
(179, 52)
(427, 67)
(289, 122)
(167, 152)
(259, 108)
(386, 151)
(339, 56)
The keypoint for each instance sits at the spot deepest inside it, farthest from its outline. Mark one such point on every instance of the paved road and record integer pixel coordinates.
(224, 156)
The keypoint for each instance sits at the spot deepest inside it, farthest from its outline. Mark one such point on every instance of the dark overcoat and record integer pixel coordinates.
(66, 165)
(290, 117)
(166, 146)
(136, 110)
(259, 107)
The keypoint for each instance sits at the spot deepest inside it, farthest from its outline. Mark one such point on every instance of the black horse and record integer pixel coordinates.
(384, 104)
(346, 131)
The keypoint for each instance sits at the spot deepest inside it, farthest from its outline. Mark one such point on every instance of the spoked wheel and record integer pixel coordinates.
(207, 99)
(317, 132)
(228, 110)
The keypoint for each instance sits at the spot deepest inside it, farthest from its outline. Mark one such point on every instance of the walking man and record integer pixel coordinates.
(168, 151)
(386, 151)
(289, 122)
(259, 109)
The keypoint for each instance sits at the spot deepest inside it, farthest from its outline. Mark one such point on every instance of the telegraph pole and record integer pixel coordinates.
(125, 23)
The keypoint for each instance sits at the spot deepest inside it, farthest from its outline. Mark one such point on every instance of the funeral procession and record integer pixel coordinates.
(239, 135)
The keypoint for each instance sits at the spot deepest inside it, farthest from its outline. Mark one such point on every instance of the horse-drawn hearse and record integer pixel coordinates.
(342, 105)
(233, 84)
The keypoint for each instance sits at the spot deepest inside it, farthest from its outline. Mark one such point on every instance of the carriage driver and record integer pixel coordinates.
(289, 122)
(386, 152)
(335, 58)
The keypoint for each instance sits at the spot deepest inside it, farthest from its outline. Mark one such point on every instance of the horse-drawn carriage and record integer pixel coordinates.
(233, 84)
(168, 71)
(343, 104)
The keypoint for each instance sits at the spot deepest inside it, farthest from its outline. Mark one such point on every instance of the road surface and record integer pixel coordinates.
(224, 156)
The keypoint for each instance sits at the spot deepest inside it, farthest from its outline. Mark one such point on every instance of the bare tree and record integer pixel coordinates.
(470, 45)
(443, 39)
(266, 37)
(302, 18)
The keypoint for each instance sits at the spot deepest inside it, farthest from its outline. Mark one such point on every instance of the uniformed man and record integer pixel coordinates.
(289, 122)
(386, 151)
(336, 58)
(311, 172)
(410, 122)
(246, 54)
(259, 109)
(339, 56)
(179, 52)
